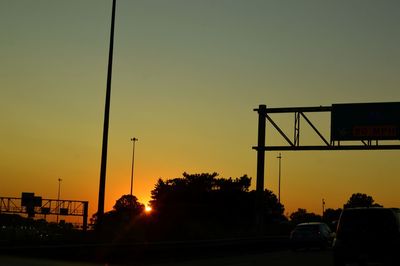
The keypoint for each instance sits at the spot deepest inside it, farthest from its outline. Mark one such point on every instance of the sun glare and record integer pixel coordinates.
(148, 209)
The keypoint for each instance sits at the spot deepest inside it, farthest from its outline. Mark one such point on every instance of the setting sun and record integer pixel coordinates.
(148, 209)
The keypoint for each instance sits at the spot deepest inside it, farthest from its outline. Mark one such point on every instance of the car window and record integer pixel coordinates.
(326, 228)
(308, 227)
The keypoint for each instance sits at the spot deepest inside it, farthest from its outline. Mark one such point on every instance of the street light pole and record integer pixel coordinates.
(133, 161)
(102, 185)
(58, 197)
(279, 178)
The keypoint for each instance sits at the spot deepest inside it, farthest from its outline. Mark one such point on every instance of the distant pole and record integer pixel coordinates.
(102, 186)
(323, 207)
(58, 197)
(133, 161)
(279, 178)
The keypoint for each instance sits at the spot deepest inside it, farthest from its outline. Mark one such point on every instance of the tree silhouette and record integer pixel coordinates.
(195, 191)
(361, 200)
(203, 205)
(124, 215)
(192, 206)
(302, 216)
(129, 203)
(272, 208)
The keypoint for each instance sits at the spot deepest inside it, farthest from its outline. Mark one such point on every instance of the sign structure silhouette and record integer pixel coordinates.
(31, 205)
(354, 126)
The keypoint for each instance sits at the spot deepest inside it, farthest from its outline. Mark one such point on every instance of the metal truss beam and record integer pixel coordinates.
(329, 148)
(298, 109)
(279, 130)
(48, 207)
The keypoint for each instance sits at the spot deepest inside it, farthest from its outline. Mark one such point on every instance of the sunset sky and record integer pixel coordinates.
(187, 76)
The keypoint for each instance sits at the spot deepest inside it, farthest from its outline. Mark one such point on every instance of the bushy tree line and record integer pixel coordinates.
(191, 207)
(199, 206)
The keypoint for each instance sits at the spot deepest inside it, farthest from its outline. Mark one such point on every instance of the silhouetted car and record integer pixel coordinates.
(306, 235)
(367, 235)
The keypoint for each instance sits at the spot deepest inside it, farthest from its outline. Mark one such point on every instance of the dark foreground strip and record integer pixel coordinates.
(150, 252)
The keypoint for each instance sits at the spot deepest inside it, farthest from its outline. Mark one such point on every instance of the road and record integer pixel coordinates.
(277, 258)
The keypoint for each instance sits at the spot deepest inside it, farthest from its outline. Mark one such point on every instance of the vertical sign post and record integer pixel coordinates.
(262, 112)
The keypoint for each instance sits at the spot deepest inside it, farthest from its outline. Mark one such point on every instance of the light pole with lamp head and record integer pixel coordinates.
(58, 197)
(279, 178)
(133, 161)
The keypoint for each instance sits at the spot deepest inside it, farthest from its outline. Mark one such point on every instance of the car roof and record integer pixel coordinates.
(310, 223)
(371, 208)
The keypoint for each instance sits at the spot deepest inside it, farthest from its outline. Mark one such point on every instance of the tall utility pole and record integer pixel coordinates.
(102, 186)
(58, 197)
(279, 178)
(323, 207)
(133, 161)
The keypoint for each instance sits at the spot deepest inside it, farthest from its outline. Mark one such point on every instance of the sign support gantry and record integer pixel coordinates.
(30, 204)
(354, 126)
